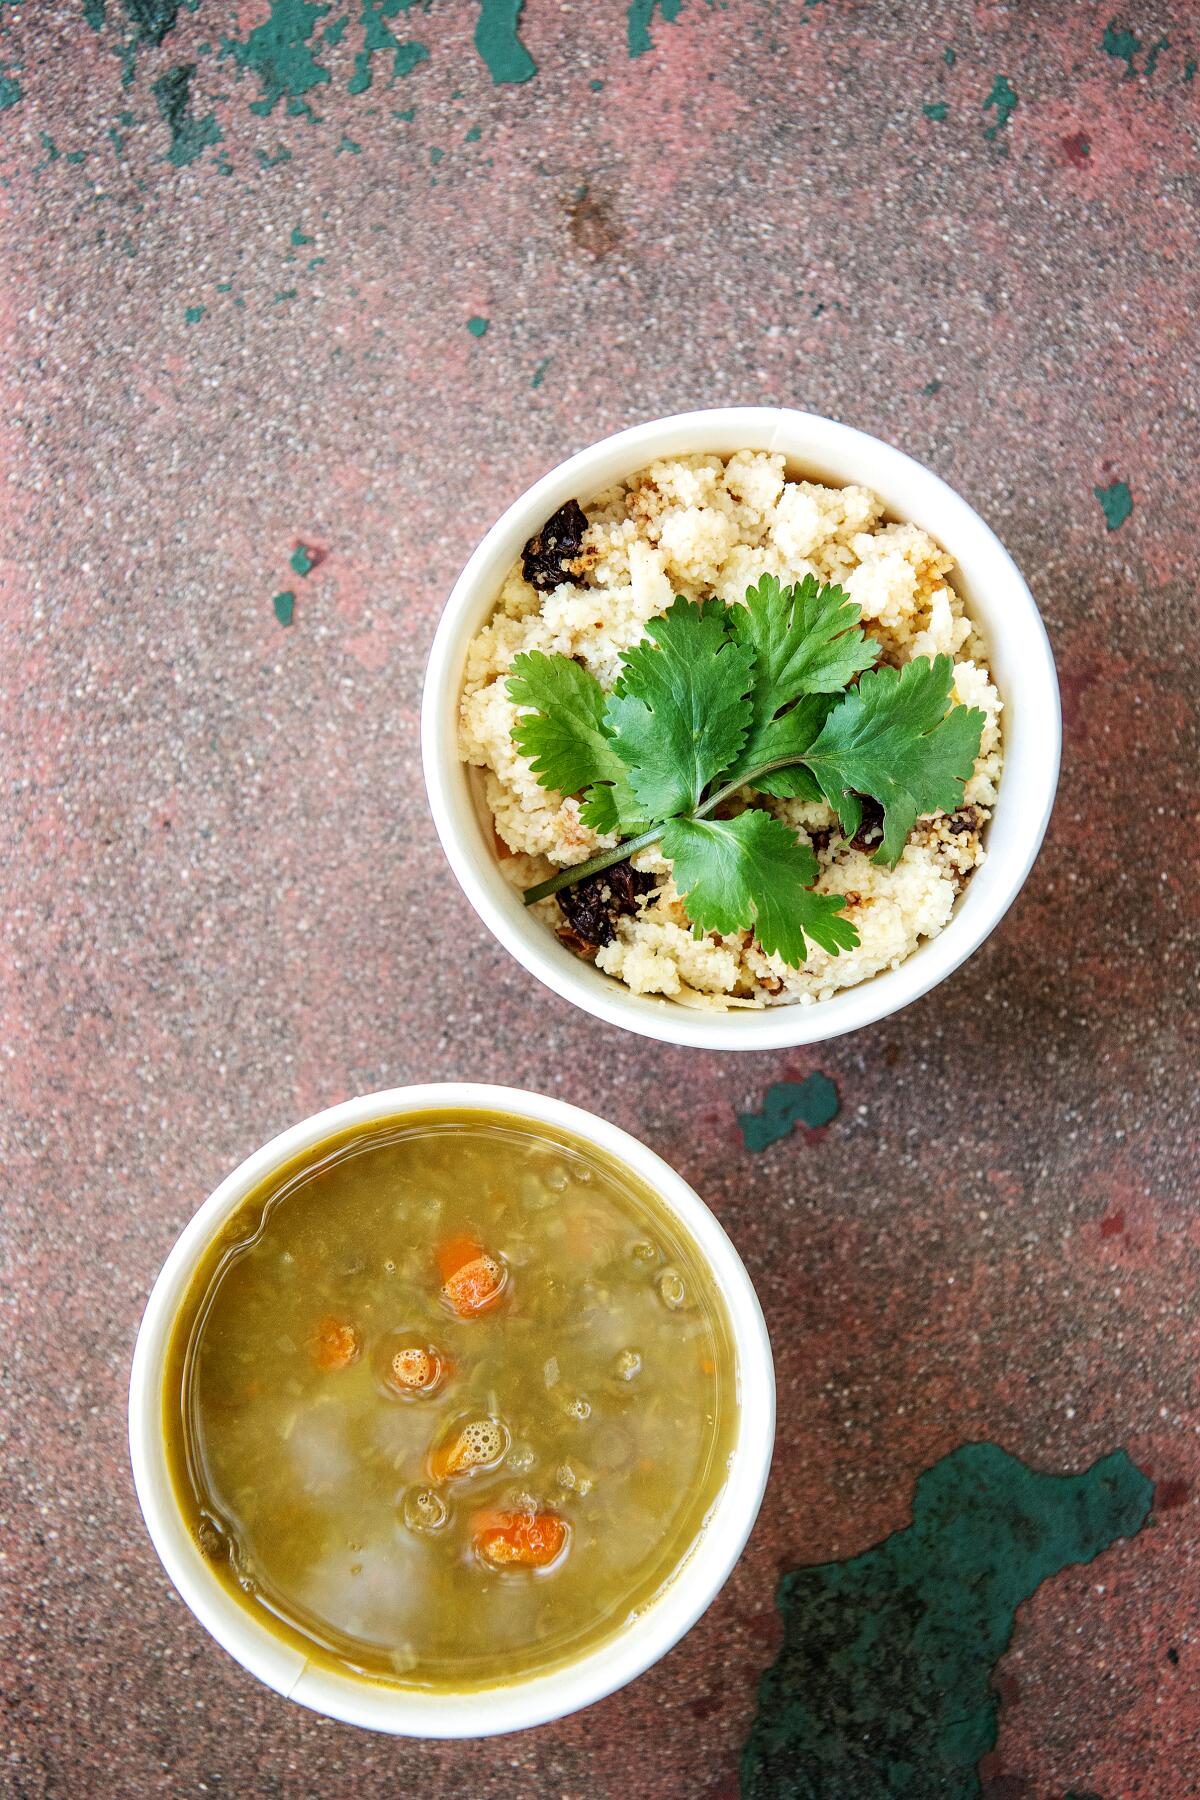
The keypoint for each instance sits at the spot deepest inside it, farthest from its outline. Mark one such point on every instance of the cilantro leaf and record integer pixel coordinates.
(753, 872)
(610, 806)
(806, 640)
(893, 738)
(565, 739)
(679, 711)
(790, 735)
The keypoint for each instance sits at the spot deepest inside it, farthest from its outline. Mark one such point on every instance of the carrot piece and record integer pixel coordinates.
(455, 1253)
(474, 1286)
(416, 1369)
(335, 1344)
(511, 1540)
(480, 1443)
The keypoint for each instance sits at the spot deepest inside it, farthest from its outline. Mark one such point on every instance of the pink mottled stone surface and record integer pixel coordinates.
(224, 905)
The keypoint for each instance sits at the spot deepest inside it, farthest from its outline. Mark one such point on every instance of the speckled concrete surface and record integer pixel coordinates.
(224, 903)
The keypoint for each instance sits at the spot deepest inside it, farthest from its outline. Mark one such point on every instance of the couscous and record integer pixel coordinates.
(707, 528)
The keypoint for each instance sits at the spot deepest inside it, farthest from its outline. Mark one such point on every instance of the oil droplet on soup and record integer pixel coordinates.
(449, 1399)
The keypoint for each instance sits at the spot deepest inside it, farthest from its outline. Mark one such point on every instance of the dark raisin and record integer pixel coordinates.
(965, 820)
(870, 829)
(583, 907)
(591, 905)
(627, 885)
(550, 550)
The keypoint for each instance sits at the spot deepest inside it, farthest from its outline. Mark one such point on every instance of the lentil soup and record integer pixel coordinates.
(450, 1399)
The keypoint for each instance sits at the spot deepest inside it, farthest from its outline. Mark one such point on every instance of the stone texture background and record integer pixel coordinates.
(224, 905)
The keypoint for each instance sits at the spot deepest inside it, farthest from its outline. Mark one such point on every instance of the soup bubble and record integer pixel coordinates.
(423, 1510)
(574, 1478)
(671, 1290)
(627, 1364)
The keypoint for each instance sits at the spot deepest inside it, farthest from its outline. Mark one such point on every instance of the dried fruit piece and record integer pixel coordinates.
(591, 906)
(549, 552)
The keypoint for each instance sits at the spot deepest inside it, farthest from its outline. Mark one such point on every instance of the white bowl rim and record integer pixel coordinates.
(1031, 723)
(560, 1690)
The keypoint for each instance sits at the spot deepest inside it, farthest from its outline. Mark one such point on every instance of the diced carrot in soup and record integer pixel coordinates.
(480, 1444)
(510, 1540)
(471, 1279)
(415, 1369)
(455, 1252)
(335, 1344)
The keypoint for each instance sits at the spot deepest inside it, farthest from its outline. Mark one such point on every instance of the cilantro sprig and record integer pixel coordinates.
(780, 695)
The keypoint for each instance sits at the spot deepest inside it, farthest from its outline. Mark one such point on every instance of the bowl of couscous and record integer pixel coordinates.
(643, 617)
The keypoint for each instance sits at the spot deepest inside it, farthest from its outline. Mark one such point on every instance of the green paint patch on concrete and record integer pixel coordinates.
(1189, 69)
(1116, 503)
(284, 294)
(882, 1686)
(224, 287)
(154, 20)
(266, 161)
(190, 136)
(812, 1102)
(1156, 50)
(1121, 44)
(299, 238)
(1004, 98)
(931, 388)
(285, 606)
(116, 140)
(407, 115)
(477, 326)
(76, 156)
(193, 315)
(278, 52)
(596, 85)
(348, 145)
(378, 38)
(333, 34)
(302, 560)
(639, 18)
(473, 136)
(93, 14)
(498, 42)
(10, 92)
(50, 147)
(539, 374)
(935, 109)
(948, 57)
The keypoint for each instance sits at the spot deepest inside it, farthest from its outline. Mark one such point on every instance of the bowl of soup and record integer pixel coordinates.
(451, 1410)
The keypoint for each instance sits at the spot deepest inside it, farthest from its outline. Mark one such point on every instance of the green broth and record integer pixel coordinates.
(607, 1362)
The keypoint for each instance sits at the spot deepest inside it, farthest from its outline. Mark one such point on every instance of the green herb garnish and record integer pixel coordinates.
(780, 695)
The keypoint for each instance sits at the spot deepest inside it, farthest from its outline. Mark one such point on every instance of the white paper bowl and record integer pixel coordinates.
(997, 598)
(409, 1712)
